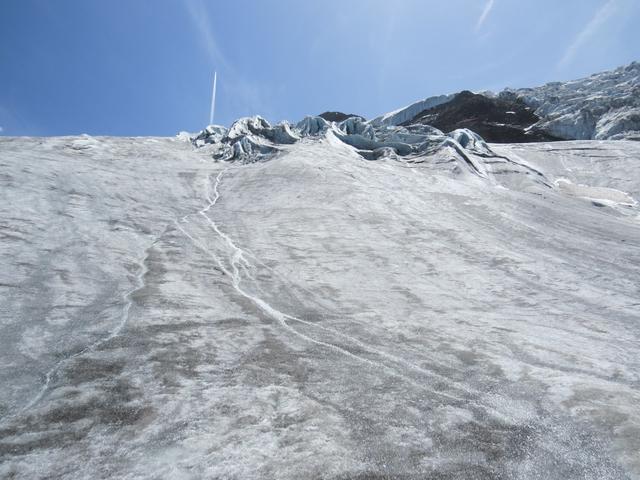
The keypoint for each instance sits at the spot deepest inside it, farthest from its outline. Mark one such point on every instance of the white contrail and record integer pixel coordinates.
(600, 17)
(485, 13)
(213, 98)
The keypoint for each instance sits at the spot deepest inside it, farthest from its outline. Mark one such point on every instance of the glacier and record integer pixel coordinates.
(603, 106)
(326, 299)
(449, 309)
(253, 139)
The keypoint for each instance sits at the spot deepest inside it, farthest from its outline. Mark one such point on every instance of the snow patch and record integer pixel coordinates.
(603, 195)
(407, 113)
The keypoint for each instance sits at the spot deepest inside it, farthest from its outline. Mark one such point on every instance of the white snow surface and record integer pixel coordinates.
(345, 301)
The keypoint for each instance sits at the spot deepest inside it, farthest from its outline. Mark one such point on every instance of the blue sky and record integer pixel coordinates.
(134, 67)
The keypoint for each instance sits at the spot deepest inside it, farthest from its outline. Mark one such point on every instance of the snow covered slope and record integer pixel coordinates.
(449, 310)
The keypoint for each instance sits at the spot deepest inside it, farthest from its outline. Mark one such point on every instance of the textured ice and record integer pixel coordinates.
(470, 140)
(602, 106)
(462, 311)
(253, 139)
(248, 139)
(312, 126)
(211, 134)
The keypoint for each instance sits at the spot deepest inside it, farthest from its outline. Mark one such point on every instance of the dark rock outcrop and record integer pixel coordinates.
(496, 119)
(338, 116)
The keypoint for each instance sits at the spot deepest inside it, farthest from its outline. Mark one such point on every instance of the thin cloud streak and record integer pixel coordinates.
(239, 89)
(485, 13)
(200, 18)
(604, 13)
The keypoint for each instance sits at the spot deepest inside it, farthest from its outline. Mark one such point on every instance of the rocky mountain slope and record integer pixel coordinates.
(337, 116)
(498, 120)
(602, 106)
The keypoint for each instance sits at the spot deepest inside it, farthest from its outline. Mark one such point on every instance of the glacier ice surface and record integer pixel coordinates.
(464, 310)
